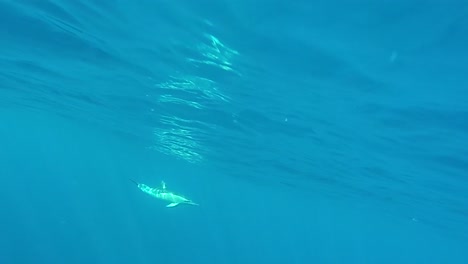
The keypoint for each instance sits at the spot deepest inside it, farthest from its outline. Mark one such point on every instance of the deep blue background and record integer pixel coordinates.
(308, 131)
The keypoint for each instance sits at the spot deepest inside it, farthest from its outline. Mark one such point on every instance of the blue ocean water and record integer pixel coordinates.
(308, 131)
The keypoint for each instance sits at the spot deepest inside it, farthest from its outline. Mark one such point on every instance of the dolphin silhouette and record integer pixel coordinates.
(163, 194)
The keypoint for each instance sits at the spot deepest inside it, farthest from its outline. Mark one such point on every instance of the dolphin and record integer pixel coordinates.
(163, 194)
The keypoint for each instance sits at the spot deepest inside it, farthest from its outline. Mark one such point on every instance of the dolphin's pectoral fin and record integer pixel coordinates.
(172, 204)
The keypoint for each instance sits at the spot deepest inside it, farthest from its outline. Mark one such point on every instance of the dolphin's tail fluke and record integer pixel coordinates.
(191, 203)
(134, 182)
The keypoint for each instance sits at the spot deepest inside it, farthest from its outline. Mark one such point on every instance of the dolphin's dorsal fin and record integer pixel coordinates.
(172, 204)
(163, 185)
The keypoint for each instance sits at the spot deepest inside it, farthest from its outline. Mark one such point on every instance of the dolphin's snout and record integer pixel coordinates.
(134, 182)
